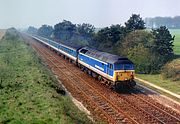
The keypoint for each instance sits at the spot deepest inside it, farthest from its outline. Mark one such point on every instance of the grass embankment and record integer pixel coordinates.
(157, 79)
(28, 91)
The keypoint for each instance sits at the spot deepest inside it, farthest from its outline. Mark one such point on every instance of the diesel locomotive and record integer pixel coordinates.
(115, 71)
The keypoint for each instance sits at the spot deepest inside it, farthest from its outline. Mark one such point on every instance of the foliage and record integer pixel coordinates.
(172, 70)
(145, 61)
(70, 33)
(141, 57)
(148, 50)
(64, 30)
(163, 43)
(85, 34)
(28, 90)
(108, 36)
(137, 46)
(32, 30)
(135, 38)
(45, 31)
(12, 34)
(135, 23)
(85, 29)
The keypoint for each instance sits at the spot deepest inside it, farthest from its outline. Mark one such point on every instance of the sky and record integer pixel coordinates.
(100, 13)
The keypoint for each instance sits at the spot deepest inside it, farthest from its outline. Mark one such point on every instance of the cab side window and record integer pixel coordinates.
(83, 51)
(110, 66)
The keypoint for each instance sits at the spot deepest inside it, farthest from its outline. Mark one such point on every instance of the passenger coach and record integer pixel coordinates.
(68, 51)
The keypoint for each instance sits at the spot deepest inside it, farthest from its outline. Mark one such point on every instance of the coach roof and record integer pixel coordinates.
(105, 57)
(70, 45)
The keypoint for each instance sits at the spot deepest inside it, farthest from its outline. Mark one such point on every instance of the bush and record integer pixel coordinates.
(172, 70)
(145, 61)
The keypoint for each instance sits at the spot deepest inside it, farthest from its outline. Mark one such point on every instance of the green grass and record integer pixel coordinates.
(176, 32)
(28, 90)
(157, 79)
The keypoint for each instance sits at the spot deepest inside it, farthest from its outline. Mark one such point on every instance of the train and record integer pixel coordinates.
(113, 70)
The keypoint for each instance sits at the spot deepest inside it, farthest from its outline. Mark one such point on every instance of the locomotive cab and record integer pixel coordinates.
(112, 69)
(124, 72)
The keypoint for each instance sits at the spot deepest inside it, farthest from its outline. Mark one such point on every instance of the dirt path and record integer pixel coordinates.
(2, 32)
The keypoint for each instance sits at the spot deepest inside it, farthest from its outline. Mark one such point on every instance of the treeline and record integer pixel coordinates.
(156, 22)
(67, 32)
(149, 50)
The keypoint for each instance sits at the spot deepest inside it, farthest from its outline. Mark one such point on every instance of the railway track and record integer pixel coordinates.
(99, 103)
(171, 115)
(107, 104)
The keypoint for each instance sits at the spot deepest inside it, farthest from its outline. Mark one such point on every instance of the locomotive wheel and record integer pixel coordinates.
(89, 72)
(94, 75)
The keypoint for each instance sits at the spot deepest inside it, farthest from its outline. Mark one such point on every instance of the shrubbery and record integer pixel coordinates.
(172, 70)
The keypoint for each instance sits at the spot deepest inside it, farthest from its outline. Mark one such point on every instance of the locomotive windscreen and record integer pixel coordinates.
(124, 67)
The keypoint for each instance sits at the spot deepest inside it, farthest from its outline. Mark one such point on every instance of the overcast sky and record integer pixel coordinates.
(101, 13)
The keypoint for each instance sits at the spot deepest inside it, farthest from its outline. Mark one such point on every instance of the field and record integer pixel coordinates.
(29, 93)
(176, 32)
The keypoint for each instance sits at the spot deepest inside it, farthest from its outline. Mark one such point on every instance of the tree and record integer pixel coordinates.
(64, 30)
(117, 32)
(73, 34)
(137, 37)
(32, 30)
(135, 22)
(84, 35)
(85, 29)
(169, 22)
(45, 31)
(140, 56)
(109, 36)
(176, 22)
(163, 43)
(102, 38)
(144, 59)
(137, 46)
(133, 39)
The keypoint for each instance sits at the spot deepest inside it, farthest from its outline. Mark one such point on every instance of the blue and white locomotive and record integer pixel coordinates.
(111, 69)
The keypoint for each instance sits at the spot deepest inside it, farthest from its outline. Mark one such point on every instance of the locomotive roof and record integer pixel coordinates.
(106, 57)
